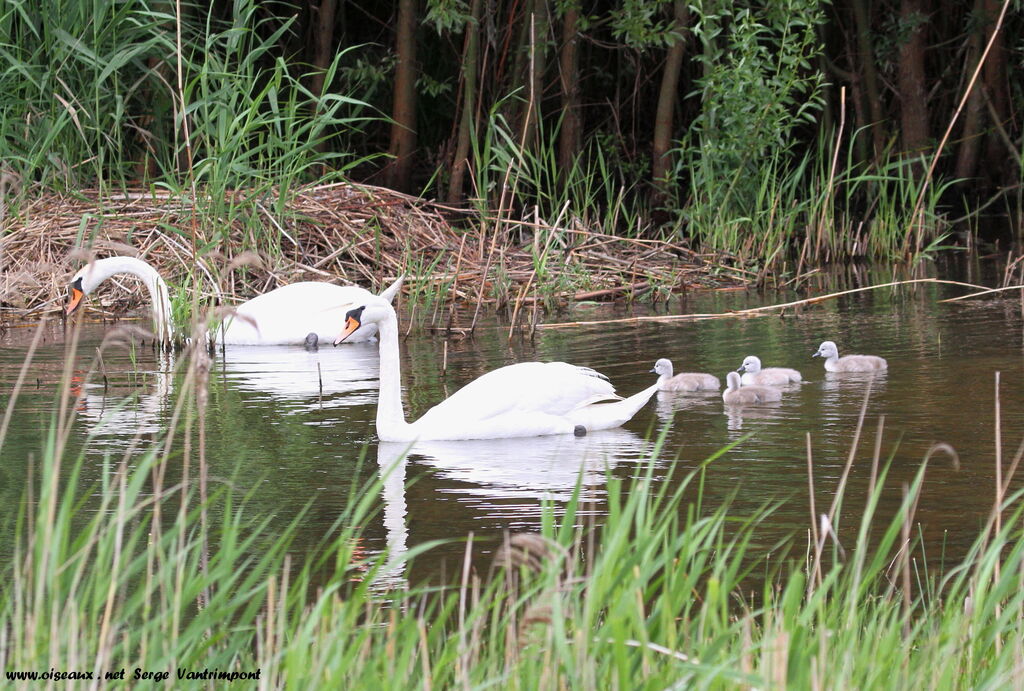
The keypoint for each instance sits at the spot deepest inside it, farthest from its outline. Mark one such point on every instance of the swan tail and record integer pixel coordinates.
(605, 416)
(391, 291)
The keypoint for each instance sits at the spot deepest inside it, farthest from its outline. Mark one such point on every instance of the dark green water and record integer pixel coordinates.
(273, 433)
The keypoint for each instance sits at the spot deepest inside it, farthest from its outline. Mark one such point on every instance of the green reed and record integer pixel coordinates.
(155, 566)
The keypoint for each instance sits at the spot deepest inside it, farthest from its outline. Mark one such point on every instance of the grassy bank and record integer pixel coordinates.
(156, 566)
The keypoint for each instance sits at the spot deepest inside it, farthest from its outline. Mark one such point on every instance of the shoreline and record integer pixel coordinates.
(343, 233)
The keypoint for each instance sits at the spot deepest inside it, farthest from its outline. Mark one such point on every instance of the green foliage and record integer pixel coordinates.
(447, 15)
(643, 24)
(91, 91)
(758, 87)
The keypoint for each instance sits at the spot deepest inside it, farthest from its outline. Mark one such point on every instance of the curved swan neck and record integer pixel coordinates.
(102, 269)
(391, 424)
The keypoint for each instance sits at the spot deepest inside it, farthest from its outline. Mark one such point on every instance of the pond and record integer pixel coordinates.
(292, 430)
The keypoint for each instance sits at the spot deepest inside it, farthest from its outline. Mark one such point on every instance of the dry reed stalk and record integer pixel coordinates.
(753, 311)
(815, 576)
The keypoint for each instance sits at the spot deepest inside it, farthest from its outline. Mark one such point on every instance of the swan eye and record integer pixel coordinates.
(75, 297)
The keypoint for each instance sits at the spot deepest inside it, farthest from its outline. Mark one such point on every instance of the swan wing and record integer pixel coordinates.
(550, 388)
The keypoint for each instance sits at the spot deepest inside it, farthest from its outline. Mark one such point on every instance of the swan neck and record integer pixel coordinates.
(158, 296)
(391, 422)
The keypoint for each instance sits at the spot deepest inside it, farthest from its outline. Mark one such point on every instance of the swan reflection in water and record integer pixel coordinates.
(299, 380)
(116, 422)
(533, 469)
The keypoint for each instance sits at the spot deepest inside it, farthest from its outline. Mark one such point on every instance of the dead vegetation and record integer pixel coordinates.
(337, 233)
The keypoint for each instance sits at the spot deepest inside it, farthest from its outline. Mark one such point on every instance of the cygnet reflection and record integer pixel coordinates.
(737, 415)
(668, 403)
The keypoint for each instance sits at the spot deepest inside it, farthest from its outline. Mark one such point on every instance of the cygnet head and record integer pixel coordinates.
(663, 367)
(732, 381)
(751, 364)
(827, 350)
(312, 342)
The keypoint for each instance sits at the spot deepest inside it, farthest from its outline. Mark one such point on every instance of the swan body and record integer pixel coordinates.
(684, 381)
(284, 316)
(737, 394)
(753, 374)
(848, 363)
(529, 399)
(287, 315)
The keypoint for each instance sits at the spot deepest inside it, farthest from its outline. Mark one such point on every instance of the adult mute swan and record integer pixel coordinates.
(848, 363)
(684, 381)
(284, 316)
(769, 376)
(529, 399)
(736, 394)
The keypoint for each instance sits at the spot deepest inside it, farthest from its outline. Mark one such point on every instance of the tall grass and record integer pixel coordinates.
(91, 98)
(151, 568)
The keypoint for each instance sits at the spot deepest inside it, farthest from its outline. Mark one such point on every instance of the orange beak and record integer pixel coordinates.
(74, 300)
(351, 324)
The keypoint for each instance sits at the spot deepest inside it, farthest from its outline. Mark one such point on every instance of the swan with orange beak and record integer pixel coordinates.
(528, 399)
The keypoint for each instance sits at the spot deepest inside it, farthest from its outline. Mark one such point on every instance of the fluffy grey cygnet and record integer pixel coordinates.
(684, 381)
(848, 363)
(736, 394)
(769, 376)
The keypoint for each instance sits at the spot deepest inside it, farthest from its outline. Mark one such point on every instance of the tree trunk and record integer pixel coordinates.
(322, 40)
(403, 112)
(869, 74)
(967, 153)
(470, 57)
(569, 67)
(993, 75)
(663, 118)
(538, 41)
(911, 79)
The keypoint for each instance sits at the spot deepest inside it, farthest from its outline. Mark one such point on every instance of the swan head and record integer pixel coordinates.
(751, 363)
(75, 294)
(663, 367)
(827, 350)
(376, 310)
(96, 271)
(732, 381)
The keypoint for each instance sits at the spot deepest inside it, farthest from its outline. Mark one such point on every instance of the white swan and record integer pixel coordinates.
(736, 394)
(848, 363)
(529, 399)
(769, 376)
(684, 381)
(284, 316)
